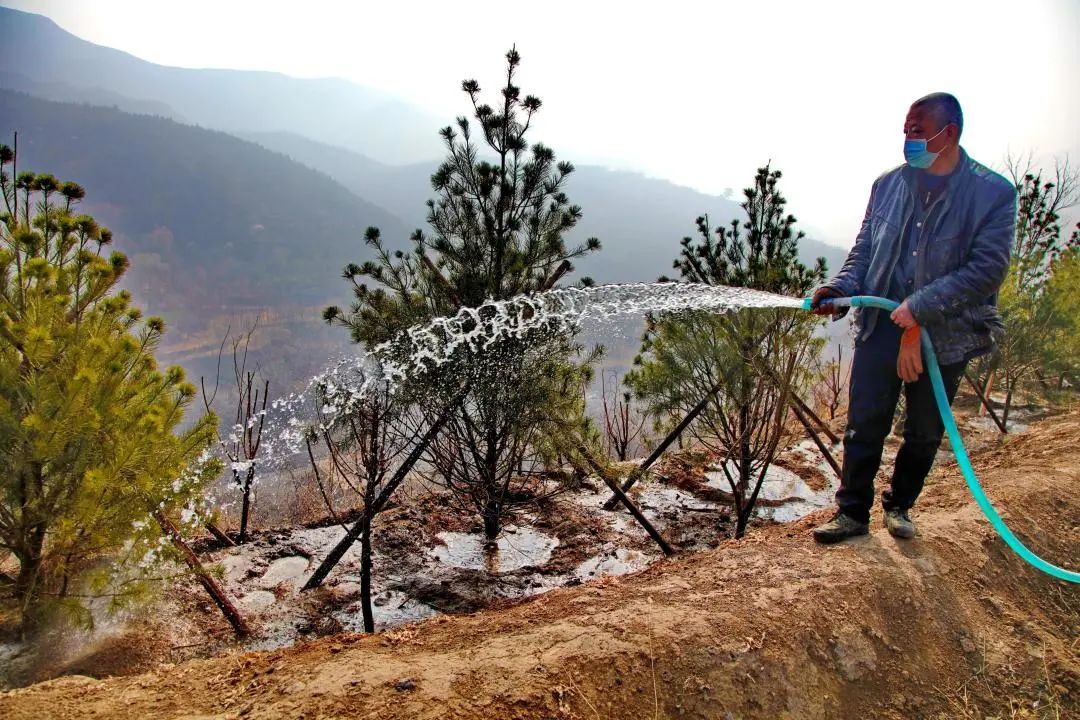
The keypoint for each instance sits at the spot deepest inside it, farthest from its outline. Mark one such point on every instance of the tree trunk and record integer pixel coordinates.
(1008, 404)
(741, 521)
(331, 560)
(985, 392)
(492, 507)
(822, 448)
(492, 520)
(26, 593)
(245, 508)
(744, 510)
(365, 578)
(27, 583)
(217, 594)
(742, 507)
(809, 413)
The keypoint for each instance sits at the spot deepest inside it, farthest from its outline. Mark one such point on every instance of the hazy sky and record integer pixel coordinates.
(699, 93)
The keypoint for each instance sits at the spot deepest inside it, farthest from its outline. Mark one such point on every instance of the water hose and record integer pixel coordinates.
(962, 459)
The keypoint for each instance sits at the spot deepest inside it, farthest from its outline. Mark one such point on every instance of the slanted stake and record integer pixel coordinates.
(672, 436)
(985, 400)
(600, 470)
(228, 609)
(360, 525)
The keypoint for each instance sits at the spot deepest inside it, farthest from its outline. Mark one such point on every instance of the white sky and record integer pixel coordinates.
(698, 93)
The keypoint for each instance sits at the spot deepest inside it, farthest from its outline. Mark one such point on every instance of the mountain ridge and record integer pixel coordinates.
(364, 119)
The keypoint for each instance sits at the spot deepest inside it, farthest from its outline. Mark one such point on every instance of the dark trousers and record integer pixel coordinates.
(875, 389)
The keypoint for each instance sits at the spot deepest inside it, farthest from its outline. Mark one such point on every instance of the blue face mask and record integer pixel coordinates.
(917, 155)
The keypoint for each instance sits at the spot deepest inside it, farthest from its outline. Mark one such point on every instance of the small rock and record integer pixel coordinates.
(404, 685)
(854, 654)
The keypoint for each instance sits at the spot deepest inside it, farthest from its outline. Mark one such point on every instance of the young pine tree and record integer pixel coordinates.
(1062, 350)
(747, 362)
(1031, 315)
(496, 230)
(89, 446)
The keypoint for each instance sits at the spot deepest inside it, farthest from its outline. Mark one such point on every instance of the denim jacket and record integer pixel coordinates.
(962, 256)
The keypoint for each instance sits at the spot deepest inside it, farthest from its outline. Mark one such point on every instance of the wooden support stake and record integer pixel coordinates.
(672, 436)
(805, 409)
(602, 472)
(357, 528)
(219, 534)
(217, 594)
(985, 403)
(817, 440)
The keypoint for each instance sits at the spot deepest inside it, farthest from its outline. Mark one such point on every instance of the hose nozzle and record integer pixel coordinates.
(827, 302)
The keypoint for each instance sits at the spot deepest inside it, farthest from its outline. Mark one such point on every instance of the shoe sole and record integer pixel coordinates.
(833, 539)
(900, 534)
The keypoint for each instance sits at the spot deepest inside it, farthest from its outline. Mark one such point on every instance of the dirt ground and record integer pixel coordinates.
(948, 625)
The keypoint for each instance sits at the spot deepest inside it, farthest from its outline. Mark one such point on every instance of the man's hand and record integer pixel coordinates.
(824, 293)
(909, 363)
(902, 316)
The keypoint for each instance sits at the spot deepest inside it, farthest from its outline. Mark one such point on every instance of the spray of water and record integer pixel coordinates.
(337, 391)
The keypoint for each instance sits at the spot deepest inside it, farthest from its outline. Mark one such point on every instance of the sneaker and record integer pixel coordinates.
(840, 528)
(899, 524)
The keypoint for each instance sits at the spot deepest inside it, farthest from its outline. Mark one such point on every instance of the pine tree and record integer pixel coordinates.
(496, 231)
(1062, 352)
(746, 362)
(1030, 315)
(89, 446)
(1039, 240)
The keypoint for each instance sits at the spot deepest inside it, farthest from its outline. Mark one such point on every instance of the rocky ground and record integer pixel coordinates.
(429, 560)
(948, 625)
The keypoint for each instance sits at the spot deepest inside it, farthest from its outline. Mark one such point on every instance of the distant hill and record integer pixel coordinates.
(215, 226)
(333, 110)
(66, 92)
(381, 149)
(221, 229)
(639, 220)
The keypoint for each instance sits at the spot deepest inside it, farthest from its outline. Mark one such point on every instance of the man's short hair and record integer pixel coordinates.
(944, 108)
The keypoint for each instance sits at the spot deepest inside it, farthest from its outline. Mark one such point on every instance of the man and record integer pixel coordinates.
(937, 237)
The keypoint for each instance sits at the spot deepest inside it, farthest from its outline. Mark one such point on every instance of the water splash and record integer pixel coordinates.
(421, 349)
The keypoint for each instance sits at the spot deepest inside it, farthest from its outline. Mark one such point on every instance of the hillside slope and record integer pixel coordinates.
(215, 226)
(948, 625)
(331, 109)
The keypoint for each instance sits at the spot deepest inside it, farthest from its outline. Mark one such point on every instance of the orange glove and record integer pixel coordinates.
(909, 363)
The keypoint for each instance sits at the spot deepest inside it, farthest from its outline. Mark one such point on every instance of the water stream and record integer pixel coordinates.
(424, 348)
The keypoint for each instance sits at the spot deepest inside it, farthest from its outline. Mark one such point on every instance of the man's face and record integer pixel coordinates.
(920, 125)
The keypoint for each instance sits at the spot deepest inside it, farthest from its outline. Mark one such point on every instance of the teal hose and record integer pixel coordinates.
(962, 459)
